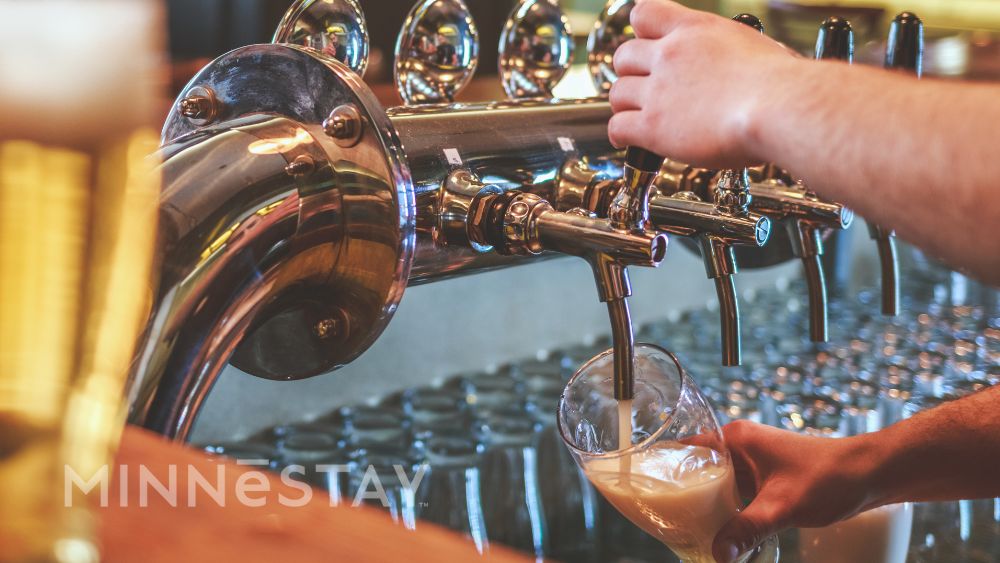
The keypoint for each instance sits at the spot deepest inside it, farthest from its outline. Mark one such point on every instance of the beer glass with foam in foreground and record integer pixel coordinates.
(78, 208)
(674, 478)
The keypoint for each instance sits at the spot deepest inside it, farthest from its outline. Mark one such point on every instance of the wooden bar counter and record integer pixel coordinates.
(168, 532)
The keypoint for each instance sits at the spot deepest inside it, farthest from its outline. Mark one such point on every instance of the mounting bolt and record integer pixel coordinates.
(302, 166)
(326, 328)
(345, 125)
(200, 106)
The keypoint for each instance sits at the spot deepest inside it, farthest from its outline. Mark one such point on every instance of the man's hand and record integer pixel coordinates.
(795, 481)
(691, 83)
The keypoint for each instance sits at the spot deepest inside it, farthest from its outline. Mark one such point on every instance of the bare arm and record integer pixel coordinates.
(948, 453)
(922, 157)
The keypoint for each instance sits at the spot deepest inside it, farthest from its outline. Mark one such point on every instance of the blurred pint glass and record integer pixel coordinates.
(78, 88)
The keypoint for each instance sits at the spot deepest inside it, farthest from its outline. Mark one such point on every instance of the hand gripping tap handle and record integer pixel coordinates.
(905, 51)
(630, 210)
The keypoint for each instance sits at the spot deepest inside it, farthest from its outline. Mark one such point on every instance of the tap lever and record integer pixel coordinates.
(904, 51)
(643, 160)
(835, 41)
(750, 20)
(630, 207)
(905, 48)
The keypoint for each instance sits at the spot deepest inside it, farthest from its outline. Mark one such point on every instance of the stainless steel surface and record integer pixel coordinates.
(807, 220)
(513, 145)
(336, 28)
(299, 218)
(685, 214)
(885, 240)
(459, 224)
(536, 49)
(904, 52)
(524, 223)
(288, 274)
(611, 30)
(623, 345)
(719, 220)
(819, 324)
(437, 52)
(729, 315)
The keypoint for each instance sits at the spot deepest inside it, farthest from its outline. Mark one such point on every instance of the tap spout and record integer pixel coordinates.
(623, 341)
(885, 239)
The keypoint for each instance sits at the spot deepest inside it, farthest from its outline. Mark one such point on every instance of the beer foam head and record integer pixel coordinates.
(77, 69)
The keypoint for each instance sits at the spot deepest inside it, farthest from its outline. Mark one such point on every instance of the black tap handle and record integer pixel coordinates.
(750, 20)
(643, 160)
(905, 49)
(836, 40)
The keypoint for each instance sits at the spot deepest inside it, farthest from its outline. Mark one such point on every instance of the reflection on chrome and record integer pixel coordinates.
(437, 52)
(335, 28)
(536, 49)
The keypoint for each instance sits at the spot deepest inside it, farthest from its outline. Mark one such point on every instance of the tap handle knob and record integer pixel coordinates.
(643, 160)
(905, 48)
(750, 20)
(835, 41)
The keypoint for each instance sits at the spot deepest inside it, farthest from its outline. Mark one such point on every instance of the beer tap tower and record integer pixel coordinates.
(296, 209)
(905, 52)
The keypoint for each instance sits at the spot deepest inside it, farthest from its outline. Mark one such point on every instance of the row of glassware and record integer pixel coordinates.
(481, 454)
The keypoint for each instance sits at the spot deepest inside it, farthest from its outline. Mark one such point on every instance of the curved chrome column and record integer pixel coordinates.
(286, 236)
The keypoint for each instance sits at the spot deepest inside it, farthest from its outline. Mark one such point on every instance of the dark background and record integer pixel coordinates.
(205, 29)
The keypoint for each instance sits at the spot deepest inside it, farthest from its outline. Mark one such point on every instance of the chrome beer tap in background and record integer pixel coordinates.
(806, 216)
(775, 194)
(904, 51)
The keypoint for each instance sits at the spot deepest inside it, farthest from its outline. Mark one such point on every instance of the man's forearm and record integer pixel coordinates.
(948, 453)
(921, 157)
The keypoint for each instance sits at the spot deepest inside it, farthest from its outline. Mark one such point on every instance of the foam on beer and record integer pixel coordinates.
(680, 494)
(64, 76)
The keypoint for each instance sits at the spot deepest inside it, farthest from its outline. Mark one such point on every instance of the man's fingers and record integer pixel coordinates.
(635, 57)
(623, 129)
(627, 94)
(652, 19)
(748, 529)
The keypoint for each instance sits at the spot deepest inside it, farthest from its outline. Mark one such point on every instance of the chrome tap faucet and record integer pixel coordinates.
(904, 51)
(732, 198)
(718, 217)
(518, 223)
(806, 216)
